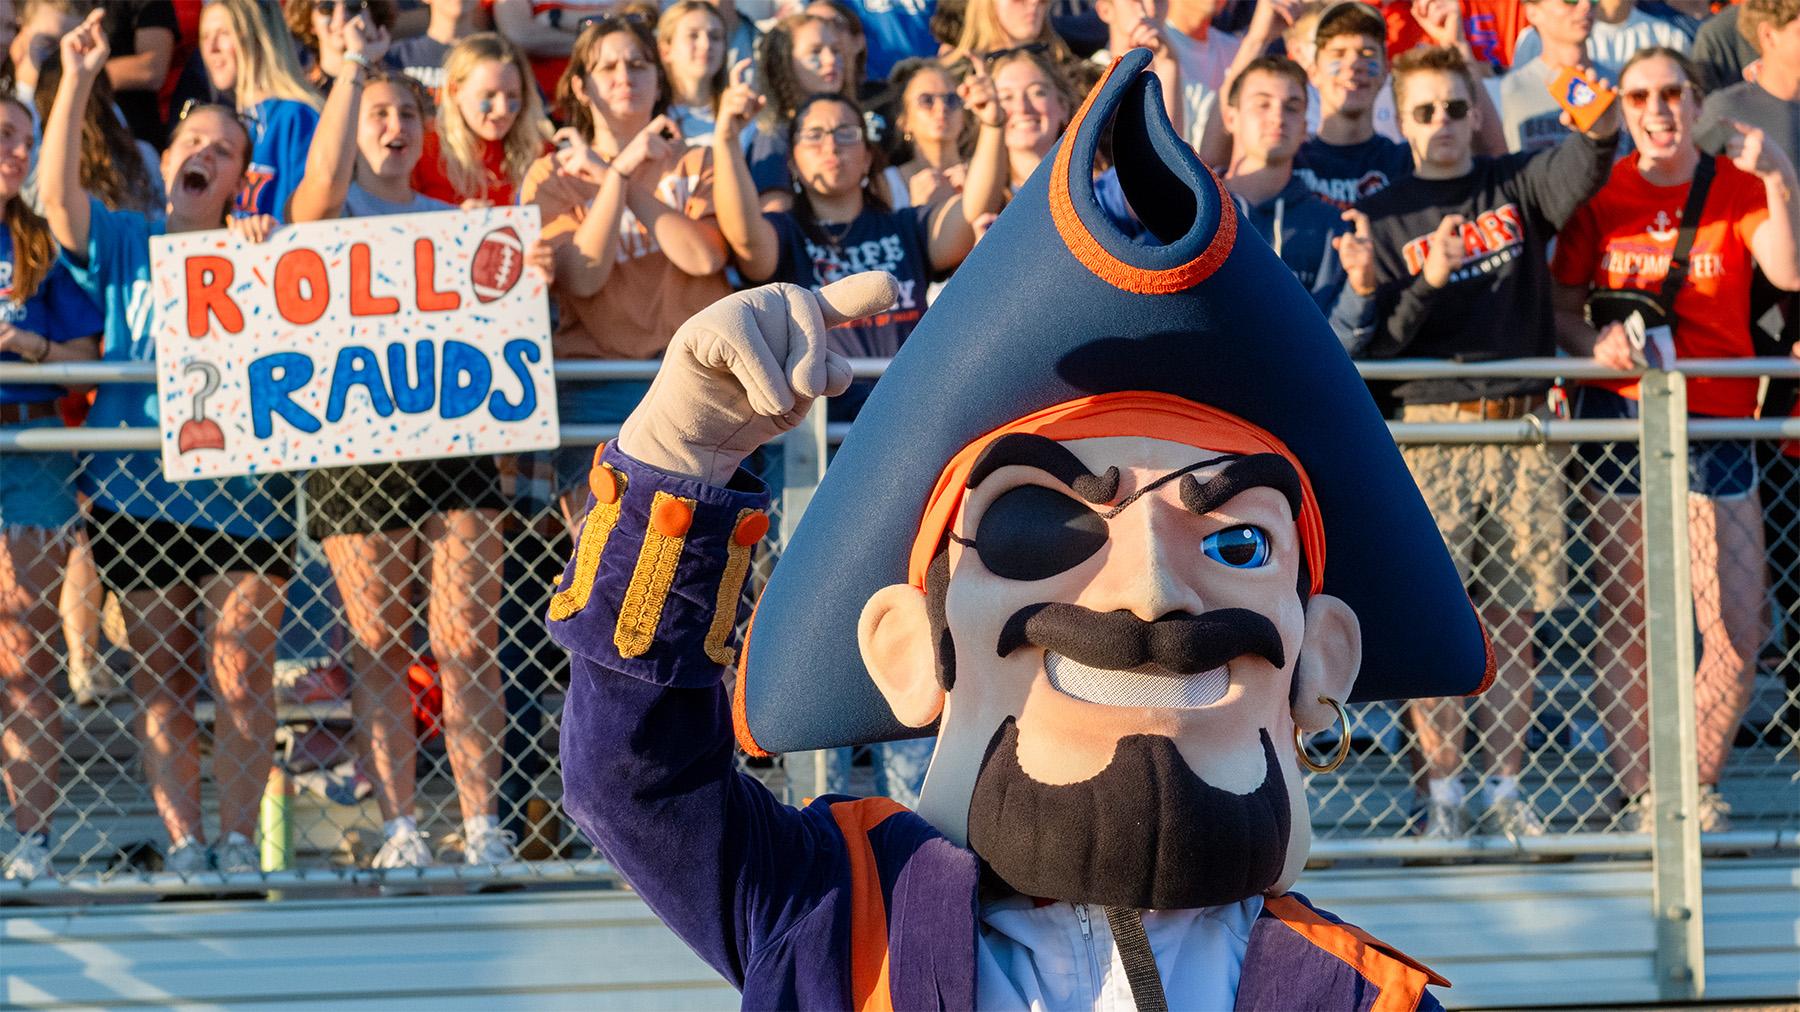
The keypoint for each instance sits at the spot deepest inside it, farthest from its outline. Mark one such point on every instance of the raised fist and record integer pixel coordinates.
(745, 370)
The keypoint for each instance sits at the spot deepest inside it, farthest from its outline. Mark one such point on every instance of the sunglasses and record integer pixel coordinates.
(843, 137)
(1457, 109)
(950, 100)
(1638, 98)
(1032, 48)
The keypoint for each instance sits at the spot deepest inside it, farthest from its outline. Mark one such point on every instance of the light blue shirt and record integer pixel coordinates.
(115, 273)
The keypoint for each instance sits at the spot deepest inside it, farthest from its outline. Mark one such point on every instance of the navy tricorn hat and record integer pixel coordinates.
(1055, 305)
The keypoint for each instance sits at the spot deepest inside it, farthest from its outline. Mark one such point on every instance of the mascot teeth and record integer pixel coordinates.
(1145, 685)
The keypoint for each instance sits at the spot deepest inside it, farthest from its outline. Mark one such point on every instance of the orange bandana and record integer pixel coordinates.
(1127, 413)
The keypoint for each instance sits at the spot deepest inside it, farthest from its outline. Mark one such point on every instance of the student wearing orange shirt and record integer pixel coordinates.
(490, 126)
(1623, 239)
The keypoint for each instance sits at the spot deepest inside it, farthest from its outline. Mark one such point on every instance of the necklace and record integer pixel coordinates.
(835, 234)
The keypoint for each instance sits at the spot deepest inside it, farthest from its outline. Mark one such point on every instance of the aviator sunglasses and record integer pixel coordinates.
(1457, 109)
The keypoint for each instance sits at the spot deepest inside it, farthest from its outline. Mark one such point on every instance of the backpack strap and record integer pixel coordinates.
(1684, 241)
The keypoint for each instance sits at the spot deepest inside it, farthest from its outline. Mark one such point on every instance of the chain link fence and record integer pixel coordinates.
(356, 646)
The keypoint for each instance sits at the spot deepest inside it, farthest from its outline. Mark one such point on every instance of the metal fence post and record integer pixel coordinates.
(803, 454)
(1669, 631)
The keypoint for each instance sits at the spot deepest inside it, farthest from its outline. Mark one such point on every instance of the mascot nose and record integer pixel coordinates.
(1143, 574)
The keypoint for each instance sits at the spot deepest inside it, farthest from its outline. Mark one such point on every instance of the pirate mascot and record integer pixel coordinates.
(1080, 531)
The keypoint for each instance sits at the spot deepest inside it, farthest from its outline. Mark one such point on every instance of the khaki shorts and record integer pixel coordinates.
(1500, 510)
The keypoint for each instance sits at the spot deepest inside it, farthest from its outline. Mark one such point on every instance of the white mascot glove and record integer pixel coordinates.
(743, 371)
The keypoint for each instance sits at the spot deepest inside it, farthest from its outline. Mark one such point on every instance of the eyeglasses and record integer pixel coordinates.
(843, 137)
(1457, 109)
(1637, 98)
(1032, 48)
(950, 100)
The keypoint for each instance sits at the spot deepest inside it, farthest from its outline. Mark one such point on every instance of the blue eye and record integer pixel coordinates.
(1240, 547)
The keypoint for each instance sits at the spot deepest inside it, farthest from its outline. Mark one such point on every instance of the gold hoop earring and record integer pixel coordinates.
(1343, 746)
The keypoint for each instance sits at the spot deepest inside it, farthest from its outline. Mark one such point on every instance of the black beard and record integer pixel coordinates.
(1144, 832)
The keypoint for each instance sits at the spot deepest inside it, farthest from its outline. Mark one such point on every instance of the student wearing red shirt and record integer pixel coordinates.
(1623, 239)
(490, 126)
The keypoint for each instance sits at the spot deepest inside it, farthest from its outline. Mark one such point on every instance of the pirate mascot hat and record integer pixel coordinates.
(1061, 325)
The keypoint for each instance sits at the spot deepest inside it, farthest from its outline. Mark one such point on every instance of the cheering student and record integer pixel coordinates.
(991, 27)
(490, 126)
(1022, 103)
(1624, 239)
(250, 57)
(1452, 264)
(800, 57)
(690, 39)
(838, 225)
(384, 525)
(931, 121)
(212, 554)
(44, 317)
(628, 211)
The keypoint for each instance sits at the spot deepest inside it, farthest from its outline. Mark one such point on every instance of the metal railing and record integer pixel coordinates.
(320, 828)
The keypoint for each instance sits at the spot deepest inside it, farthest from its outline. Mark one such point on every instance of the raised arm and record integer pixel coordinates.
(514, 19)
(66, 208)
(647, 746)
(1776, 242)
(584, 261)
(747, 233)
(331, 159)
(1559, 180)
(951, 236)
(984, 185)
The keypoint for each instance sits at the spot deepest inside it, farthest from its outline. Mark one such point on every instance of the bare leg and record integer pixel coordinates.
(246, 609)
(1726, 553)
(465, 598)
(1620, 692)
(80, 601)
(160, 626)
(31, 565)
(375, 575)
(1504, 712)
(1439, 726)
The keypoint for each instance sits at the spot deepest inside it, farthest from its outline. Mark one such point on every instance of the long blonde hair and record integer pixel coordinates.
(34, 249)
(982, 34)
(265, 54)
(524, 140)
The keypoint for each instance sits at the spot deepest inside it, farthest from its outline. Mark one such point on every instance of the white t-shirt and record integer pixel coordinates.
(1203, 67)
(1061, 955)
(1610, 45)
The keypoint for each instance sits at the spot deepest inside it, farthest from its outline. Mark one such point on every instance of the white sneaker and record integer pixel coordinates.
(1715, 811)
(236, 855)
(30, 859)
(189, 857)
(1444, 821)
(405, 849)
(490, 846)
(1513, 818)
(1635, 815)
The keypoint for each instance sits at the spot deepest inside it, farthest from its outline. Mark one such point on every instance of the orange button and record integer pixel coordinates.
(751, 529)
(599, 451)
(672, 518)
(605, 483)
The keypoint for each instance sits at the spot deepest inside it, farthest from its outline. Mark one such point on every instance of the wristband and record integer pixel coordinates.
(359, 60)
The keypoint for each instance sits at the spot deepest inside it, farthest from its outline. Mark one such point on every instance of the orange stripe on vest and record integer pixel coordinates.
(1400, 978)
(868, 912)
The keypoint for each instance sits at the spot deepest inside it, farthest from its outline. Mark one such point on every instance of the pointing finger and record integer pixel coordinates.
(857, 296)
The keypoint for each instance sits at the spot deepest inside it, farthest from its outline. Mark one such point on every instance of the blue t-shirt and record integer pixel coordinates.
(281, 131)
(115, 274)
(59, 310)
(1342, 174)
(895, 30)
(892, 241)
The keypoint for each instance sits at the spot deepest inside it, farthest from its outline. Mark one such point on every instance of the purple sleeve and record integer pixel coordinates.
(647, 756)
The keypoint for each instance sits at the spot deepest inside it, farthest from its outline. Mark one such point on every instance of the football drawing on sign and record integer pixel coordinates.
(200, 432)
(497, 264)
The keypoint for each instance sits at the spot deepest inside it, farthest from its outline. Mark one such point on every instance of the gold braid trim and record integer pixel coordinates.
(731, 584)
(594, 533)
(655, 574)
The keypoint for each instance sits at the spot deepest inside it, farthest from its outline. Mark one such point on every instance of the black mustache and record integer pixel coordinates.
(1118, 640)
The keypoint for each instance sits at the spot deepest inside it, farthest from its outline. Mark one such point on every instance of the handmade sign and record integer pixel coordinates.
(352, 341)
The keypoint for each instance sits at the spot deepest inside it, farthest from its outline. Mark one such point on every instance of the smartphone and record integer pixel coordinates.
(1582, 99)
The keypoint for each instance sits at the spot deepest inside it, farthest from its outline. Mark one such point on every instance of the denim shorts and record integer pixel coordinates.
(591, 403)
(37, 489)
(1717, 468)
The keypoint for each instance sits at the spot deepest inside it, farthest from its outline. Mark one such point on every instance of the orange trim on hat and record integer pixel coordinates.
(1109, 268)
(1127, 413)
(740, 718)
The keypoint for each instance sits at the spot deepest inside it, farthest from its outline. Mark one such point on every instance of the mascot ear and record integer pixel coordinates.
(1330, 656)
(894, 634)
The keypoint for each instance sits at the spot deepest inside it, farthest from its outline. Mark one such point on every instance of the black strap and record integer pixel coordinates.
(1140, 966)
(1684, 242)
